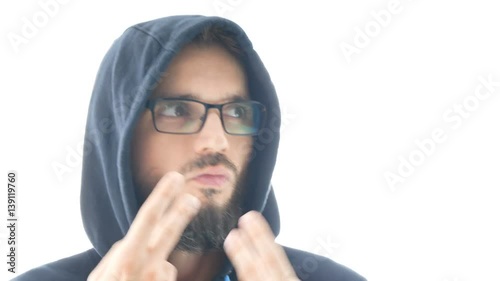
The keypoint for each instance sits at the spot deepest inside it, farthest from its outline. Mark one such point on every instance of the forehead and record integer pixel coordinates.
(210, 74)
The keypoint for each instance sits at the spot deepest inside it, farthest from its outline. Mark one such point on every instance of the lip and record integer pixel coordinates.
(212, 176)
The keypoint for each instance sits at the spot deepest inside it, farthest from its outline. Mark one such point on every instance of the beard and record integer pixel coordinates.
(209, 228)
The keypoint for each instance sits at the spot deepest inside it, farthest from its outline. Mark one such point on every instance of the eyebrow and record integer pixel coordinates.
(228, 98)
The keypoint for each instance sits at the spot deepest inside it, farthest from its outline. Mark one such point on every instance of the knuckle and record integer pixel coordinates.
(169, 231)
(150, 274)
(149, 249)
(148, 214)
(151, 218)
(127, 267)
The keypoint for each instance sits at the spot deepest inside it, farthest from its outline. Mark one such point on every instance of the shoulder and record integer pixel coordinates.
(76, 267)
(312, 267)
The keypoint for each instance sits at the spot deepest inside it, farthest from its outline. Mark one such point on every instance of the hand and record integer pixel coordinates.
(253, 252)
(141, 255)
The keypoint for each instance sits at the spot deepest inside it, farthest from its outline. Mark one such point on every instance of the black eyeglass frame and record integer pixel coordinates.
(150, 104)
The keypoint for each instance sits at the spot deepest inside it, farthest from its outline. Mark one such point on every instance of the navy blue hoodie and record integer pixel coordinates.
(127, 76)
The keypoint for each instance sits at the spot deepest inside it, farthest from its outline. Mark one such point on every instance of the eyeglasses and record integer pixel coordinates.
(187, 116)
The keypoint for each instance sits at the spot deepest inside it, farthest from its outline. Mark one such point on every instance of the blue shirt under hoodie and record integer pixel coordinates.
(127, 76)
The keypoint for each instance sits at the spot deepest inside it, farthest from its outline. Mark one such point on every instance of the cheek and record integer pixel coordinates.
(153, 154)
(159, 155)
(154, 158)
(241, 149)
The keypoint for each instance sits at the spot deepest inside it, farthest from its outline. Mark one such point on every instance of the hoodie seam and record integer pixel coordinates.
(150, 35)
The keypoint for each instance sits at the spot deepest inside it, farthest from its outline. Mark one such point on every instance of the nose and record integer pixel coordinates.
(212, 138)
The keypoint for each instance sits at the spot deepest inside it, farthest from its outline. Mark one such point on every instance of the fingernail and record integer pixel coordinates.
(193, 201)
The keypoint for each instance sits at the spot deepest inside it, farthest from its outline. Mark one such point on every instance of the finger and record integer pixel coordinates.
(160, 270)
(169, 272)
(154, 207)
(261, 236)
(98, 271)
(254, 225)
(170, 228)
(244, 257)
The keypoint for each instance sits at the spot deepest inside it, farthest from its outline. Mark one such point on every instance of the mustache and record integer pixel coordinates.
(209, 160)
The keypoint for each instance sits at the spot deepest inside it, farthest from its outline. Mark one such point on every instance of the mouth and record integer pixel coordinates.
(214, 177)
(211, 180)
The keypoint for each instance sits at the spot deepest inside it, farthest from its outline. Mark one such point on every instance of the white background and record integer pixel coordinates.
(346, 124)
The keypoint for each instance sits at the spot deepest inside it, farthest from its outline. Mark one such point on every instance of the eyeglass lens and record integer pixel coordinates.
(181, 116)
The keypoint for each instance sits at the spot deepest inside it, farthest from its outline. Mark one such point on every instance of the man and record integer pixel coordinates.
(181, 141)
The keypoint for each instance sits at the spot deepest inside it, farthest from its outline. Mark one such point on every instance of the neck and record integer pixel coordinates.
(197, 267)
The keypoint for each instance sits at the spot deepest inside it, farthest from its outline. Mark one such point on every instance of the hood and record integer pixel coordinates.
(126, 78)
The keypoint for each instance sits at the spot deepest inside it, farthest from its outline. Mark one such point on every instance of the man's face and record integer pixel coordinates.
(212, 162)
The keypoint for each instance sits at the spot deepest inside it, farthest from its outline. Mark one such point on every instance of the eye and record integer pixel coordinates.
(239, 111)
(173, 109)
